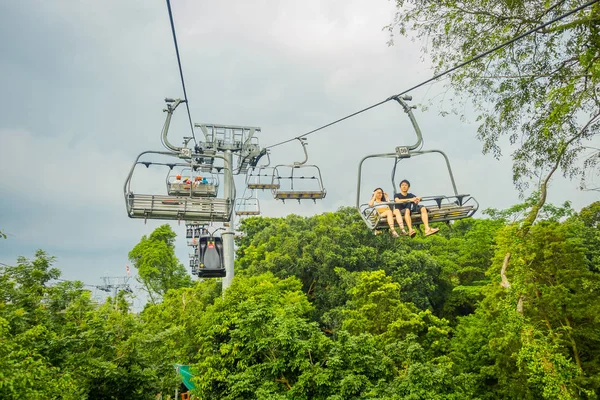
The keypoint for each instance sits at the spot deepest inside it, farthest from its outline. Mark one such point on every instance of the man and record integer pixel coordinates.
(409, 203)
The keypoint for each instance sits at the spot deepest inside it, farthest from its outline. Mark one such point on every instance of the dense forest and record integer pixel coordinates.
(322, 309)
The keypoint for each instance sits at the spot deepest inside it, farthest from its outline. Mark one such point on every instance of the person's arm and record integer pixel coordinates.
(397, 200)
(372, 201)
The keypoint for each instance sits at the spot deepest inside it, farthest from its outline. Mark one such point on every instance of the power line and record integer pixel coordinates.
(181, 70)
(477, 57)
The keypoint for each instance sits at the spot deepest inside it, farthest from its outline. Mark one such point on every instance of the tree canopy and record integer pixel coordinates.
(540, 91)
(158, 268)
(322, 309)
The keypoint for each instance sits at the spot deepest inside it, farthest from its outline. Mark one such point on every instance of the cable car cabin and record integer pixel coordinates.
(175, 207)
(210, 258)
(298, 182)
(194, 184)
(262, 178)
(247, 207)
(439, 209)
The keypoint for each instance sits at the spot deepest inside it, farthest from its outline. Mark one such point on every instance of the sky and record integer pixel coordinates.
(83, 84)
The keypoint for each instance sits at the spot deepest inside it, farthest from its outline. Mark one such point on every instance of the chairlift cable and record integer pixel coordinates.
(332, 123)
(187, 106)
(446, 72)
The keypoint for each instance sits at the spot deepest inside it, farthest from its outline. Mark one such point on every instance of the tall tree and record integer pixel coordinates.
(158, 268)
(541, 91)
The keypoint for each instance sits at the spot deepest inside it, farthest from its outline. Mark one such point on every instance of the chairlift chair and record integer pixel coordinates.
(298, 181)
(247, 205)
(176, 207)
(441, 208)
(262, 177)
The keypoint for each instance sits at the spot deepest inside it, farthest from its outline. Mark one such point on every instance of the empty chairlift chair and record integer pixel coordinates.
(247, 205)
(262, 177)
(298, 181)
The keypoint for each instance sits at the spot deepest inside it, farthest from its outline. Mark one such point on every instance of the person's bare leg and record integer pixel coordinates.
(399, 219)
(390, 220)
(408, 220)
(425, 219)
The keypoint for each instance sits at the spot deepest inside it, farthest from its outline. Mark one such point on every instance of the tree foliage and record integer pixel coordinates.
(158, 267)
(541, 91)
(55, 342)
(322, 309)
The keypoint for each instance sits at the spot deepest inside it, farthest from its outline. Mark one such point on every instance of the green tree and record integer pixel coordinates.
(168, 332)
(56, 342)
(590, 215)
(535, 335)
(256, 342)
(158, 268)
(541, 91)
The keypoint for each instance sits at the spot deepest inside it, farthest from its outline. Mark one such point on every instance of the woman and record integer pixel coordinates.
(379, 197)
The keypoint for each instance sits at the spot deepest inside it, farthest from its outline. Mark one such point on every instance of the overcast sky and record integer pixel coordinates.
(83, 84)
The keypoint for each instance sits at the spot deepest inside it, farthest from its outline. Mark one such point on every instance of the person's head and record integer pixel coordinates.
(178, 176)
(378, 193)
(197, 178)
(404, 185)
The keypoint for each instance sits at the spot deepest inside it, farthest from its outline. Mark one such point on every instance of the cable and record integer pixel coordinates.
(181, 70)
(477, 57)
(332, 123)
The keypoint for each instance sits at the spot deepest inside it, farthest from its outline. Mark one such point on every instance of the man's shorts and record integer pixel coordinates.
(414, 208)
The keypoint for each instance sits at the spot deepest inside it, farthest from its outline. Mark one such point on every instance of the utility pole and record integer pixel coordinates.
(227, 235)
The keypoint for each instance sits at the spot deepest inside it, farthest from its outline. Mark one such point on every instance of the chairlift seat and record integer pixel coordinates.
(300, 195)
(263, 186)
(182, 189)
(298, 182)
(453, 209)
(247, 212)
(177, 208)
(245, 206)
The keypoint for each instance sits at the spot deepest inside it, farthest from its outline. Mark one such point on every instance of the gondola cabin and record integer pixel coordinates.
(211, 262)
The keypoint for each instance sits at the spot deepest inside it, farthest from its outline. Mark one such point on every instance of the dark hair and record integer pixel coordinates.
(405, 180)
(382, 193)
